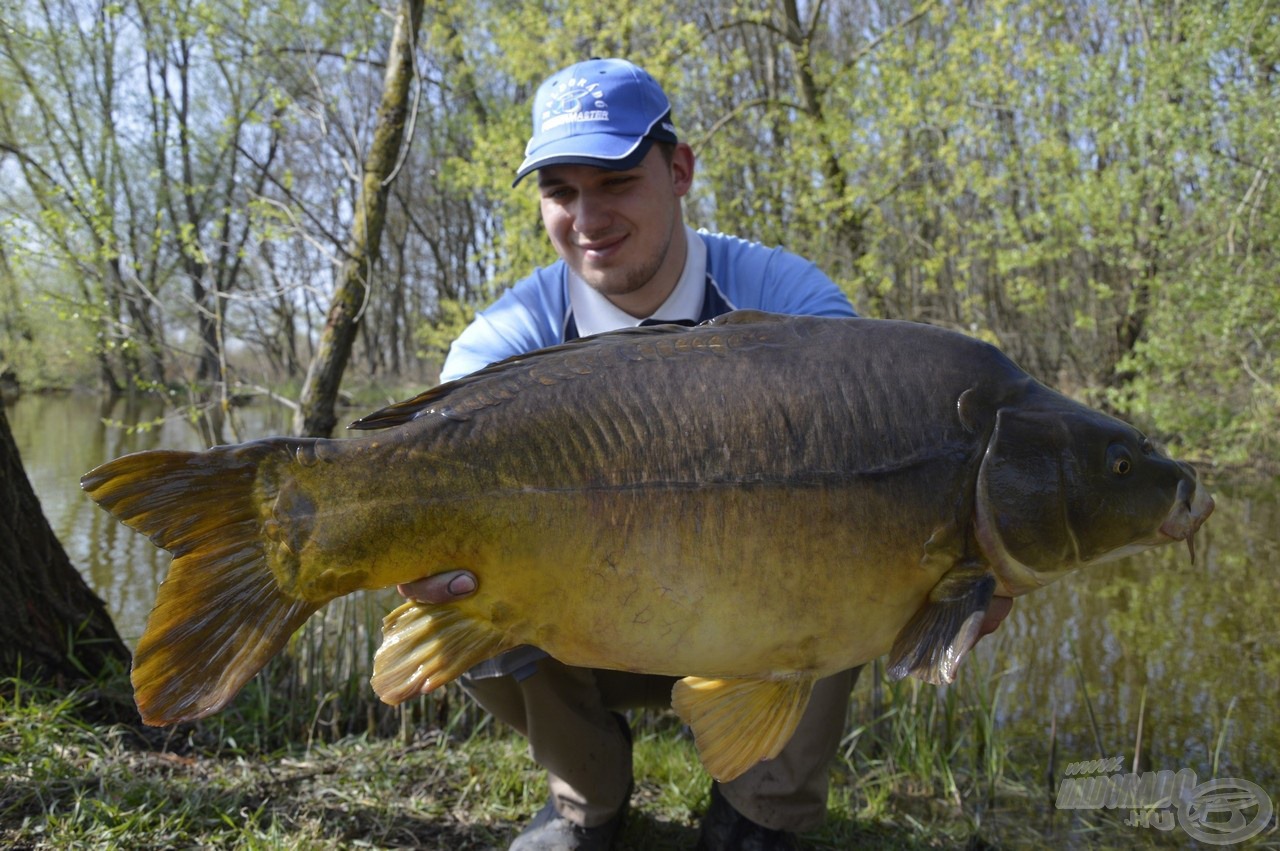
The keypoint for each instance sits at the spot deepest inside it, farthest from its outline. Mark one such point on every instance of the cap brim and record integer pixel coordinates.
(596, 150)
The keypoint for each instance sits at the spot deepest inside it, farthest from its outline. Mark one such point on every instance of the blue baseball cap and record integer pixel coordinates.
(603, 112)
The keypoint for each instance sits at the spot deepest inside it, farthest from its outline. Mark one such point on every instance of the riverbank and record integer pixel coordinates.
(1157, 659)
(68, 782)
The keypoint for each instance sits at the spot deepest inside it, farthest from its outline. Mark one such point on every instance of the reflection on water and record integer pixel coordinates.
(1190, 651)
(62, 437)
(1187, 654)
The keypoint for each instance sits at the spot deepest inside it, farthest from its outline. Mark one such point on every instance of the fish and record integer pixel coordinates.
(749, 505)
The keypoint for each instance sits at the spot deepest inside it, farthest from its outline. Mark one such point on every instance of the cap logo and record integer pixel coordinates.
(574, 100)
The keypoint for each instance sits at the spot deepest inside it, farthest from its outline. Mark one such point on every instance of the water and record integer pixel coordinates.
(1154, 657)
(1190, 651)
(62, 437)
(1191, 648)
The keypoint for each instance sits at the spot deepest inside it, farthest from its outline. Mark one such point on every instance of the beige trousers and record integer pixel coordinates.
(565, 713)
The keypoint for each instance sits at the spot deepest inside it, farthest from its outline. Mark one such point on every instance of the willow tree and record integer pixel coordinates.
(53, 628)
(316, 415)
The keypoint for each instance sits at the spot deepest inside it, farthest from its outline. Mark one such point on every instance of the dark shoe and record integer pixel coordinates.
(726, 829)
(550, 831)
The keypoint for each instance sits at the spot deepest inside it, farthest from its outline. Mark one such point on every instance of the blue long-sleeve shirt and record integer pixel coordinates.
(536, 311)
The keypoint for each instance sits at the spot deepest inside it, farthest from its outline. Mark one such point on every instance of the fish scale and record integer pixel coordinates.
(748, 505)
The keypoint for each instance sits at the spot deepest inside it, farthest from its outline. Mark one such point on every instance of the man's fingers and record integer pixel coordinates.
(997, 610)
(444, 587)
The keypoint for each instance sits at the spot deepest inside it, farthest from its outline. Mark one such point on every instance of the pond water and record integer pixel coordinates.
(1189, 653)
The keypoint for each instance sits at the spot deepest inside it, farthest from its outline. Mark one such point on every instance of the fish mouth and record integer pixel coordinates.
(1191, 508)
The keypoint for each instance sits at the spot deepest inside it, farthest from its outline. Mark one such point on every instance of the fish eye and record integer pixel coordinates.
(1119, 461)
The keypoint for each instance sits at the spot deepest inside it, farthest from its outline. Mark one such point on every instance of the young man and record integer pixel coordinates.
(611, 173)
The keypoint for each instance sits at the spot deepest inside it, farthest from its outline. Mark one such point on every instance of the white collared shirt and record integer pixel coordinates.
(593, 313)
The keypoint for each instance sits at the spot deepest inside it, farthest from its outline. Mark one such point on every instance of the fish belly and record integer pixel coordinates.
(718, 581)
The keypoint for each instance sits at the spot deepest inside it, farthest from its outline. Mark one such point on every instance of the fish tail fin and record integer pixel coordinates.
(220, 613)
(424, 647)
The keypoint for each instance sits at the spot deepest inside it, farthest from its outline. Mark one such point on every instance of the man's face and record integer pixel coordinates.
(615, 228)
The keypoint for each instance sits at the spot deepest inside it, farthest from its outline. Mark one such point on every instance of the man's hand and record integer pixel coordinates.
(997, 610)
(447, 587)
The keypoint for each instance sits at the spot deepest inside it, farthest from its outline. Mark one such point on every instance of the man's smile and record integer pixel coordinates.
(601, 248)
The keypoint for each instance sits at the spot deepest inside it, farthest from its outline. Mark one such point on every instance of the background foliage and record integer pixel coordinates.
(1091, 186)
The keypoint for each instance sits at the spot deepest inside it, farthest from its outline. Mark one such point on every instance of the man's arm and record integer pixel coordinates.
(758, 277)
(454, 585)
(525, 318)
(528, 316)
(997, 610)
(797, 286)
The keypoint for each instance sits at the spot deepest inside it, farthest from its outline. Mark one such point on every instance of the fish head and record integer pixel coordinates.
(1062, 487)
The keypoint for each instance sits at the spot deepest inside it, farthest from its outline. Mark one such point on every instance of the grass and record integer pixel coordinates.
(920, 768)
(307, 758)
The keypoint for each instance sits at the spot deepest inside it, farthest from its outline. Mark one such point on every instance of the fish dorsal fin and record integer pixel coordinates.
(937, 638)
(455, 398)
(738, 722)
(424, 647)
(500, 381)
(746, 317)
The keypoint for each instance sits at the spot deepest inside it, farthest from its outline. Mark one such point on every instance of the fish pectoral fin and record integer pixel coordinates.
(933, 643)
(425, 646)
(738, 722)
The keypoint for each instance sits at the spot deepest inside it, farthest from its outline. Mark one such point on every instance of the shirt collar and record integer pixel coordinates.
(595, 314)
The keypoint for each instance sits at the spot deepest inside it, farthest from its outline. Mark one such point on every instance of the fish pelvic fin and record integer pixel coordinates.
(738, 722)
(939, 636)
(426, 646)
(219, 615)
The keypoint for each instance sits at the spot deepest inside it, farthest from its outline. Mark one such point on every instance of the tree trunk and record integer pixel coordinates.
(316, 416)
(53, 628)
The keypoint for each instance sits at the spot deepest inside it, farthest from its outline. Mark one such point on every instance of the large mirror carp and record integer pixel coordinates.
(751, 504)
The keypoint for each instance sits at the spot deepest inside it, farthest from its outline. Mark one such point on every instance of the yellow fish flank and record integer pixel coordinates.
(751, 505)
